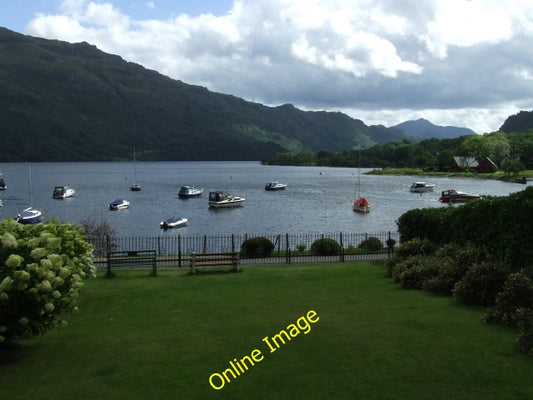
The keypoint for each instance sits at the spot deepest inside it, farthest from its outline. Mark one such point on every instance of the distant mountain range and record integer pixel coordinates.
(423, 129)
(73, 102)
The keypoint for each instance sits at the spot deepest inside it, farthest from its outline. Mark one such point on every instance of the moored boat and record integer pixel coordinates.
(189, 191)
(219, 199)
(455, 196)
(270, 186)
(422, 187)
(3, 185)
(29, 216)
(119, 204)
(361, 205)
(135, 187)
(173, 222)
(62, 192)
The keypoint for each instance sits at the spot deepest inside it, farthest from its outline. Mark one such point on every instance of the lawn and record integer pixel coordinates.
(140, 337)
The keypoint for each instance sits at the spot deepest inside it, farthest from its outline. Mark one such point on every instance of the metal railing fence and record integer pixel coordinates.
(175, 250)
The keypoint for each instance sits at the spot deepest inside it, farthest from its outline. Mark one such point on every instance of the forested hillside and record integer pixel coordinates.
(73, 102)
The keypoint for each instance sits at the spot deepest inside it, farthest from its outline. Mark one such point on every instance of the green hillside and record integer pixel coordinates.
(73, 102)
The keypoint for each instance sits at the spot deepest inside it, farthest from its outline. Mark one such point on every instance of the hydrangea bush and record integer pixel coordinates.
(42, 268)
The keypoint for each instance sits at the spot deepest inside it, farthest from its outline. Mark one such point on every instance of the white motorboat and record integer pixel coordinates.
(421, 187)
(29, 216)
(270, 186)
(62, 192)
(173, 222)
(3, 185)
(119, 204)
(189, 191)
(219, 199)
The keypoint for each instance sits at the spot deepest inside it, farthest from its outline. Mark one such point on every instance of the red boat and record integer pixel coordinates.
(361, 205)
(454, 196)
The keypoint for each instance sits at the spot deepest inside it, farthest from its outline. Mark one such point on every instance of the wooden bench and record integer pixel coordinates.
(132, 258)
(214, 260)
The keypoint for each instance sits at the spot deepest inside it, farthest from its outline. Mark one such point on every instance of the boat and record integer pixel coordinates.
(173, 222)
(3, 185)
(62, 192)
(361, 205)
(219, 199)
(421, 187)
(275, 186)
(1, 203)
(455, 196)
(29, 216)
(135, 187)
(189, 191)
(119, 204)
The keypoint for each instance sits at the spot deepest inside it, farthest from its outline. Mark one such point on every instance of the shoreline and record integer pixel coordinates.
(521, 178)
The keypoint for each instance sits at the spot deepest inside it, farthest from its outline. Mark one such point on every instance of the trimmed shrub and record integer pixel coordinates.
(517, 294)
(481, 284)
(257, 247)
(325, 247)
(371, 244)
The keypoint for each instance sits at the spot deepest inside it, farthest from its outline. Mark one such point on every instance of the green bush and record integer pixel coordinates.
(325, 247)
(524, 318)
(257, 247)
(454, 262)
(414, 247)
(517, 294)
(415, 271)
(41, 270)
(371, 244)
(481, 284)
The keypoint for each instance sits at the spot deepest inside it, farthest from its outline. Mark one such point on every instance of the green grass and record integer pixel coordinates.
(138, 337)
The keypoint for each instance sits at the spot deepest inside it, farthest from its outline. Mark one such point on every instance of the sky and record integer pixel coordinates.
(465, 63)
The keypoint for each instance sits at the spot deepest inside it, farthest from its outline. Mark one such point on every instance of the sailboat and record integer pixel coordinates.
(360, 204)
(135, 187)
(29, 215)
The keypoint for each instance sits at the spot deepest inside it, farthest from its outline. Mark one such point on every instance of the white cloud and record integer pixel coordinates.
(455, 62)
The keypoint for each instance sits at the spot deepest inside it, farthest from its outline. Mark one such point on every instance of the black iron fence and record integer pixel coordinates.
(175, 250)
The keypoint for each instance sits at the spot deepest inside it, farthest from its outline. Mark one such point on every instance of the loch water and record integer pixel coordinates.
(317, 200)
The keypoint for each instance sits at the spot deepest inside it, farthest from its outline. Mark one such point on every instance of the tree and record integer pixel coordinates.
(498, 147)
(476, 146)
(42, 268)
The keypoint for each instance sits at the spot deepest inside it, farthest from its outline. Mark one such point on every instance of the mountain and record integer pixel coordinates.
(422, 129)
(521, 122)
(72, 102)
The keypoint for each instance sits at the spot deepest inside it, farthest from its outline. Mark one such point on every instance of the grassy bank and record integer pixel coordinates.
(138, 337)
(420, 172)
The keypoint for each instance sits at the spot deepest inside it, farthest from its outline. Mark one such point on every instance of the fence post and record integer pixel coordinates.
(204, 249)
(342, 247)
(233, 243)
(288, 253)
(179, 251)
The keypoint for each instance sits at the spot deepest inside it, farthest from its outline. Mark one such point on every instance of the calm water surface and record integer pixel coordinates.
(317, 199)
